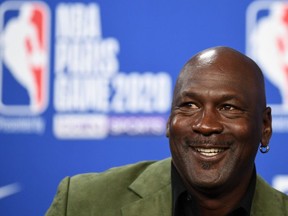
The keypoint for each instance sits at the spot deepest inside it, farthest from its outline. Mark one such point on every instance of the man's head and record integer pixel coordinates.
(218, 119)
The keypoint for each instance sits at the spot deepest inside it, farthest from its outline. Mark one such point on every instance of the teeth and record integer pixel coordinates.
(209, 152)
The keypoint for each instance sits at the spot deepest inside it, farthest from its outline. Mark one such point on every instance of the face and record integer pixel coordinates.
(216, 124)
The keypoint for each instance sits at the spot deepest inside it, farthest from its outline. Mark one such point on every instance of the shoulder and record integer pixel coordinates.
(114, 188)
(107, 192)
(269, 201)
(119, 175)
(266, 190)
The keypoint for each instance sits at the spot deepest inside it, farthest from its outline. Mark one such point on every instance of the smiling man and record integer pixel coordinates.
(219, 117)
(219, 120)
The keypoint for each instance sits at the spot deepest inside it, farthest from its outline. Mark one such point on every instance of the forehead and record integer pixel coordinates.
(216, 74)
(222, 69)
(219, 79)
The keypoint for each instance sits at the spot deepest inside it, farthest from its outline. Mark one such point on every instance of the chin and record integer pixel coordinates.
(208, 179)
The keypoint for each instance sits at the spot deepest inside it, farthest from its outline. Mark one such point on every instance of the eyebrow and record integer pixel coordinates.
(224, 97)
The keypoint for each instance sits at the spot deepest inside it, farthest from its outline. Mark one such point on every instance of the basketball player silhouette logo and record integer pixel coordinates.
(25, 53)
(269, 46)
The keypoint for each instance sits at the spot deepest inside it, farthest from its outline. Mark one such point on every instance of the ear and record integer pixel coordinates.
(266, 127)
(168, 127)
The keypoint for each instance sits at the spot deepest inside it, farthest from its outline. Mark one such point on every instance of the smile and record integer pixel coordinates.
(209, 152)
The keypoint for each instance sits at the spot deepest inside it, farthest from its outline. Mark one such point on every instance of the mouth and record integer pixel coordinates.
(209, 152)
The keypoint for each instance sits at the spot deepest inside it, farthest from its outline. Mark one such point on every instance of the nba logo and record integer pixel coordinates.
(24, 69)
(267, 44)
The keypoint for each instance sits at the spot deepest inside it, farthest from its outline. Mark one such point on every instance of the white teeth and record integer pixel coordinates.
(209, 152)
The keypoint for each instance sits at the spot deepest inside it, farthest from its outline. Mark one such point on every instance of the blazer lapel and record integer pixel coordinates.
(158, 204)
(153, 187)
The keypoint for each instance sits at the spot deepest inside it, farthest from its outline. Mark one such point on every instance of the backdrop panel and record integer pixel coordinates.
(86, 86)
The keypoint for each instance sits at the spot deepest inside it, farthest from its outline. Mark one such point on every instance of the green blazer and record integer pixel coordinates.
(142, 189)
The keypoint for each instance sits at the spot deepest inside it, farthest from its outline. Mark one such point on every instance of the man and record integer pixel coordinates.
(218, 120)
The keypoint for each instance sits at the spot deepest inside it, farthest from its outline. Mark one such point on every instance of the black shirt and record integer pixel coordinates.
(184, 205)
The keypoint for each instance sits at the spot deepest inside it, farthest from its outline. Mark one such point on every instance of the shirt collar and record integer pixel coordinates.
(178, 187)
(178, 190)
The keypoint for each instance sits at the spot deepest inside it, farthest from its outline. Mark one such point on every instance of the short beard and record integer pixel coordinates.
(206, 165)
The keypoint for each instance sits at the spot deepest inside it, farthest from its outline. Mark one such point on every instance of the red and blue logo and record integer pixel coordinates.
(24, 69)
(267, 42)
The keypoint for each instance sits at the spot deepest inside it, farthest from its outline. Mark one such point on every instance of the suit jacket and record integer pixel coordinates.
(142, 189)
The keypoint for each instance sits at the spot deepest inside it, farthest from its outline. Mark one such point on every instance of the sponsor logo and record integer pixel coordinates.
(267, 44)
(24, 67)
(9, 190)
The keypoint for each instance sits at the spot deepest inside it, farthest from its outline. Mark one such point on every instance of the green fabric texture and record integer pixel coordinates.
(142, 189)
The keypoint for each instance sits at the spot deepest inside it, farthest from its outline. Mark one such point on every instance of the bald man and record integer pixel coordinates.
(219, 120)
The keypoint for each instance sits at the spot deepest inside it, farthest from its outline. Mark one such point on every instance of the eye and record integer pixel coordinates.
(227, 107)
(189, 105)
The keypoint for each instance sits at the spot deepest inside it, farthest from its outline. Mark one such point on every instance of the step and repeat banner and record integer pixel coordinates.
(85, 86)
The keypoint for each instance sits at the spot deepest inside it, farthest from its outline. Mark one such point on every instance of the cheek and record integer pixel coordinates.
(178, 129)
(179, 125)
(180, 132)
(245, 130)
(247, 137)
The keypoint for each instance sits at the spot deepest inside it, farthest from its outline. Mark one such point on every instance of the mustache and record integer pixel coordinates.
(201, 141)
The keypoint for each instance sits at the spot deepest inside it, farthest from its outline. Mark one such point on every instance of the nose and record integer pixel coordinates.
(207, 123)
